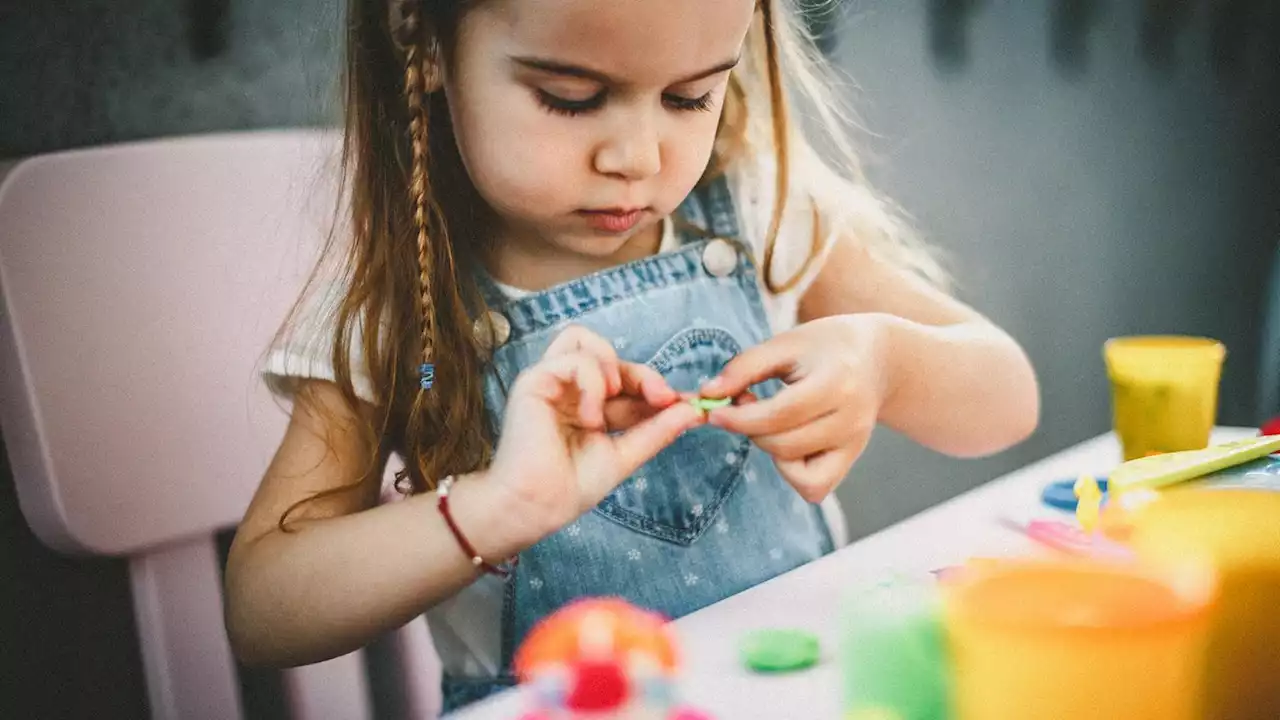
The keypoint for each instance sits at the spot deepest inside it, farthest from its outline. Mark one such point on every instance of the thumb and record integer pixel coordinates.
(638, 445)
(757, 364)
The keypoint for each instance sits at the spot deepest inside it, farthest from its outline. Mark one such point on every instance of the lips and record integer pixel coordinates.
(614, 220)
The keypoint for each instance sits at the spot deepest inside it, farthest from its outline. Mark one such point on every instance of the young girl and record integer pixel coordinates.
(568, 218)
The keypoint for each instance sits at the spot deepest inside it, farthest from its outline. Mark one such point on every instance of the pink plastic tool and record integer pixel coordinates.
(1074, 541)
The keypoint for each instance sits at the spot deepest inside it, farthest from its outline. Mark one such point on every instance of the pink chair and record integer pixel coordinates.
(141, 285)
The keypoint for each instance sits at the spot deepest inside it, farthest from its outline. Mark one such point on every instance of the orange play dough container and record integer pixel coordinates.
(1078, 640)
(1239, 530)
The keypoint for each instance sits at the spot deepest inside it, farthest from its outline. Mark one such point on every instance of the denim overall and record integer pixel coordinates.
(709, 516)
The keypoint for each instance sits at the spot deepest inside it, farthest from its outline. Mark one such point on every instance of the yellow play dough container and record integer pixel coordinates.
(1164, 391)
(1078, 640)
(1239, 530)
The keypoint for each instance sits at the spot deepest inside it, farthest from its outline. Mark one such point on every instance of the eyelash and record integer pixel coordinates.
(573, 108)
(677, 102)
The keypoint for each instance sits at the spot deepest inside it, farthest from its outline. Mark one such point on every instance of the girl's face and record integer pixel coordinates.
(584, 122)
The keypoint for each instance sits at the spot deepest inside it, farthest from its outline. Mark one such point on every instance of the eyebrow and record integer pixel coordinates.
(556, 67)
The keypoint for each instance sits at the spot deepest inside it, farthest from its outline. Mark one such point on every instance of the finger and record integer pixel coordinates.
(576, 338)
(775, 358)
(823, 433)
(583, 374)
(746, 398)
(623, 412)
(639, 444)
(794, 406)
(815, 477)
(644, 382)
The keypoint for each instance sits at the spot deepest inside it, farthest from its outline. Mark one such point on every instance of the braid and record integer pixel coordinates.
(406, 32)
(415, 90)
(443, 428)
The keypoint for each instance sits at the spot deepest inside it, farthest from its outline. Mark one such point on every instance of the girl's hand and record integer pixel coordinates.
(577, 424)
(816, 427)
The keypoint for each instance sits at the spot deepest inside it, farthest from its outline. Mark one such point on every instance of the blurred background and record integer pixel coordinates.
(1090, 167)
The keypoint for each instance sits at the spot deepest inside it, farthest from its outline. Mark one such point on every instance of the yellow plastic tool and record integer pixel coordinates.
(1088, 502)
(1160, 471)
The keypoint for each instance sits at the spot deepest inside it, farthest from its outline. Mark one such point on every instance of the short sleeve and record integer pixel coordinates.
(305, 349)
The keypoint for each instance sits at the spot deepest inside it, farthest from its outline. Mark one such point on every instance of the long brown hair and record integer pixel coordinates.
(417, 224)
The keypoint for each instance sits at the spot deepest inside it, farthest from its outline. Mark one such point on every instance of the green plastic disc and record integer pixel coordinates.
(779, 650)
(707, 404)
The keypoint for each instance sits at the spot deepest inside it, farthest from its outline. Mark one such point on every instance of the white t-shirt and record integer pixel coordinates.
(466, 628)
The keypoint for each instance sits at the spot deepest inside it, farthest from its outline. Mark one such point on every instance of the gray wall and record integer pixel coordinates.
(98, 71)
(1075, 204)
(1080, 204)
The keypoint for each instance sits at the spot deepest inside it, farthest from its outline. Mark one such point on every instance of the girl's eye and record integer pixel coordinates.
(572, 108)
(565, 106)
(678, 102)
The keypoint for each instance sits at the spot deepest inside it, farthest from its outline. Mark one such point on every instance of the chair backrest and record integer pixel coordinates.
(141, 284)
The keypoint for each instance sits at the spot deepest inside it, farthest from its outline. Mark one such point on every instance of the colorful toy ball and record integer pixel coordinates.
(601, 658)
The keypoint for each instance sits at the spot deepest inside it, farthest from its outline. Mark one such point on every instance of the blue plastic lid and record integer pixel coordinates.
(1061, 494)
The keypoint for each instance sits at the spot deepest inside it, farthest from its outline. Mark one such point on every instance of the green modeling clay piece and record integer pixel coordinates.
(708, 404)
(779, 650)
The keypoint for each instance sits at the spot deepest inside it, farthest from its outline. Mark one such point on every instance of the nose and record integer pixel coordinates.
(632, 150)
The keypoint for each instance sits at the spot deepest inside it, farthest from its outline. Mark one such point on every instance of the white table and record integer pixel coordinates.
(809, 597)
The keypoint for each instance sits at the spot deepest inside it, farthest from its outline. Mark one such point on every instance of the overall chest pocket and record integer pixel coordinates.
(677, 494)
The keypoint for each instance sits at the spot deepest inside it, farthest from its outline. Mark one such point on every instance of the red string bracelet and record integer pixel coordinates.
(442, 493)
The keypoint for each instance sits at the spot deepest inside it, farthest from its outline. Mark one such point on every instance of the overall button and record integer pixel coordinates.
(492, 330)
(720, 257)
